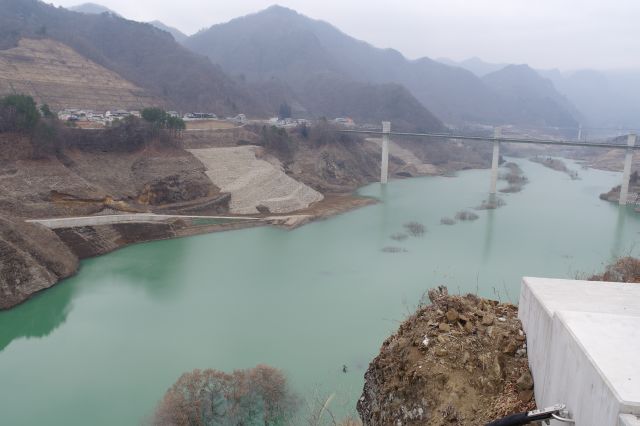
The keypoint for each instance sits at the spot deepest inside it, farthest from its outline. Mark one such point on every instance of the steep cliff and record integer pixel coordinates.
(32, 258)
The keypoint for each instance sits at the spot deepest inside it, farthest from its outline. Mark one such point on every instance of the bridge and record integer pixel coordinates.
(496, 140)
(114, 219)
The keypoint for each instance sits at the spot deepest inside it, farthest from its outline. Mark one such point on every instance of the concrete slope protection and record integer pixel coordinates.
(254, 182)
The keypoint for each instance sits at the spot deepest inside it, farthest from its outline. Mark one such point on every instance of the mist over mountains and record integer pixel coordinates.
(282, 44)
(255, 63)
(607, 99)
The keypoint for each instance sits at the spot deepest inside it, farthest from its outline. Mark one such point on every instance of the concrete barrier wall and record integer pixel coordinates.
(583, 341)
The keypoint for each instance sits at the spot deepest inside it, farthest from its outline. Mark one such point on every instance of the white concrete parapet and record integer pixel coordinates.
(583, 340)
(629, 420)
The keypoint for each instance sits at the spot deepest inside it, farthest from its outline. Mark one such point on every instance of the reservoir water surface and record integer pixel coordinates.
(102, 347)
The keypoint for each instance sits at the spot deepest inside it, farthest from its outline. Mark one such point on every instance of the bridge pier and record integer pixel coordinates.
(495, 159)
(580, 132)
(384, 165)
(626, 174)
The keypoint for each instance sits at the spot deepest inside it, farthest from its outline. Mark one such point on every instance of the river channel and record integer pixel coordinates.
(102, 347)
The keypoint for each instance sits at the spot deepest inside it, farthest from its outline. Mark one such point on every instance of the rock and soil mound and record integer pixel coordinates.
(460, 361)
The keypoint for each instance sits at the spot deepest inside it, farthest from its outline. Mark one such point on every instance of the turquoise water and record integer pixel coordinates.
(102, 347)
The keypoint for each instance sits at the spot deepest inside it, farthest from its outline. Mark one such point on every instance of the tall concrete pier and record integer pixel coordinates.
(384, 169)
(626, 174)
(495, 159)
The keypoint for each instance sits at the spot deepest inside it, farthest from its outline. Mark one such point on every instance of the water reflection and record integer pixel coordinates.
(37, 317)
(157, 267)
(488, 236)
(616, 245)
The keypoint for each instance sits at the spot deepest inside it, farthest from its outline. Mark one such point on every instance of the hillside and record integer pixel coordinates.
(178, 35)
(138, 52)
(278, 46)
(532, 98)
(475, 65)
(280, 43)
(606, 98)
(92, 8)
(55, 74)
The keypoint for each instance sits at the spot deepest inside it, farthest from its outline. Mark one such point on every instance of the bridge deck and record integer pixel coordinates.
(501, 139)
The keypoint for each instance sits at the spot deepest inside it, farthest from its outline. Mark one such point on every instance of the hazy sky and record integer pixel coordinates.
(566, 34)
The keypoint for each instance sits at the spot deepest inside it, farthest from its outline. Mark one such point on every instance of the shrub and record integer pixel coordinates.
(447, 221)
(18, 113)
(625, 270)
(466, 215)
(202, 397)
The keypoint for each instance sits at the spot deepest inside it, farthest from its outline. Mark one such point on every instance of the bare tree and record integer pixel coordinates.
(210, 397)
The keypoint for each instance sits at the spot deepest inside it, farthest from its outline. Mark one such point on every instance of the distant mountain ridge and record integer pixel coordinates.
(606, 99)
(522, 87)
(92, 8)
(279, 43)
(178, 35)
(475, 65)
(277, 46)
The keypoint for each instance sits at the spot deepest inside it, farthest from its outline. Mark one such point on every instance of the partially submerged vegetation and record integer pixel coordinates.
(466, 215)
(415, 229)
(447, 221)
(391, 249)
(399, 236)
(515, 178)
(491, 204)
(555, 164)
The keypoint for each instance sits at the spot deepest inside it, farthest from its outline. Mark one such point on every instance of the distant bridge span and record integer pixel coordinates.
(497, 138)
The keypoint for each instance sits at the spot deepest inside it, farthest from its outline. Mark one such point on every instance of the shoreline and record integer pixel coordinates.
(332, 205)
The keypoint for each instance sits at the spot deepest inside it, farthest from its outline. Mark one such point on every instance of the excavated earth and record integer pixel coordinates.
(461, 360)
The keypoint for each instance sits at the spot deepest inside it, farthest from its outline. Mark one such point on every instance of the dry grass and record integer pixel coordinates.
(624, 270)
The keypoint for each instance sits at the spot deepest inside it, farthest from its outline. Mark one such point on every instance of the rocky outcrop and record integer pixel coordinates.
(460, 360)
(32, 258)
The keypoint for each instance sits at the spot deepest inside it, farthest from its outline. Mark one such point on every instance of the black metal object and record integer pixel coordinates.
(531, 416)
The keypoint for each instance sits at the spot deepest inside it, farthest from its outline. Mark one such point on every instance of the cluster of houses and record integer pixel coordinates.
(108, 117)
(289, 122)
(85, 115)
(105, 118)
